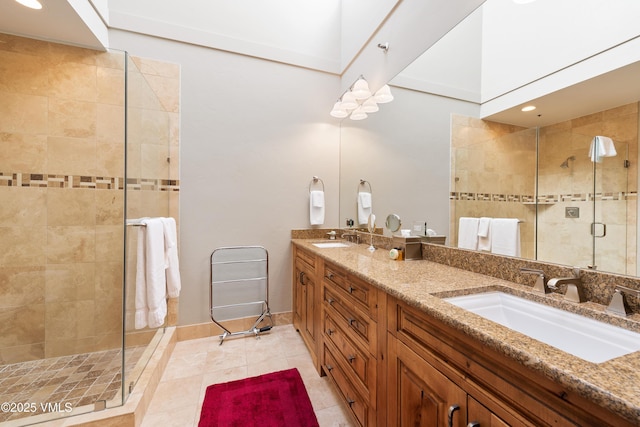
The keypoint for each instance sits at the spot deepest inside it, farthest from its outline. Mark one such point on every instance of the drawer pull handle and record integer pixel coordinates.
(473, 424)
(329, 368)
(302, 278)
(329, 332)
(351, 289)
(330, 301)
(452, 410)
(329, 276)
(351, 358)
(351, 321)
(350, 402)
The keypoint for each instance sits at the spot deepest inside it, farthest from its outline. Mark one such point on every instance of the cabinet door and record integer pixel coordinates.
(419, 395)
(480, 416)
(304, 312)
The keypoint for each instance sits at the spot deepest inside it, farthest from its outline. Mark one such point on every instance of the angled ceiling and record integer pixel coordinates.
(57, 21)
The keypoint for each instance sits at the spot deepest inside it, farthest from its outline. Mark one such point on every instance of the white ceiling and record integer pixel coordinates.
(56, 21)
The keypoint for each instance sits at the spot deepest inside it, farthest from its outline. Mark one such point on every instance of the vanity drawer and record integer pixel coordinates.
(354, 323)
(358, 406)
(360, 292)
(306, 257)
(359, 362)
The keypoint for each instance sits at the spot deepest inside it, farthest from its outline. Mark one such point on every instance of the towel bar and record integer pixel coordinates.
(363, 183)
(314, 181)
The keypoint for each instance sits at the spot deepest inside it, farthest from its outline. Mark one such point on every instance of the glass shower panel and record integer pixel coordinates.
(148, 169)
(609, 229)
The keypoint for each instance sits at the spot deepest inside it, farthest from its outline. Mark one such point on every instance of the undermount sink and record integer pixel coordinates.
(331, 245)
(578, 335)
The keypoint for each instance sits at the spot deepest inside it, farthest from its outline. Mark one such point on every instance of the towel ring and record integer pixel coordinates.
(363, 183)
(315, 181)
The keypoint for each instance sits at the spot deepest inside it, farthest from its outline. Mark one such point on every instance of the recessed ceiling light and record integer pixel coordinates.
(529, 108)
(32, 4)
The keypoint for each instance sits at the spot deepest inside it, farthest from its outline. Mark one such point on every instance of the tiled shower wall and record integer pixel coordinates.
(62, 192)
(493, 175)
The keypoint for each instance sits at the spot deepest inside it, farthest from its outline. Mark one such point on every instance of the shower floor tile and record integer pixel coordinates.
(41, 386)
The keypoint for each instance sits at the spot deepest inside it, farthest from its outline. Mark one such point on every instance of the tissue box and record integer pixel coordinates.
(411, 246)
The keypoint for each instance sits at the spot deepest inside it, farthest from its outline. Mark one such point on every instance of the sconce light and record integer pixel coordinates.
(356, 102)
(32, 4)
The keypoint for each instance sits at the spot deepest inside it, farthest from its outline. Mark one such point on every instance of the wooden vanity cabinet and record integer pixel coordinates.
(499, 390)
(350, 342)
(306, 300)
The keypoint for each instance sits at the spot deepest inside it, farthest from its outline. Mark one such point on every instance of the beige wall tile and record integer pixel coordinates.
(72, 118)
(110, 86)
(110, 159)
(70, 282)
(20, 113)
(22, 325)
(73, 80)
(23, 207)
(70, 244)
(109, 207)
(23, 246)
(110, 124)
(20, 286)
(23, 73)
(157, 68)
(109, 243)
(167, 90)
(73, 156)
(23, 152)
(71, 206)
(21, 353)
(140, 94)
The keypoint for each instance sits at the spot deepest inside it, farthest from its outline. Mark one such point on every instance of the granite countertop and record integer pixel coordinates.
(614, 384)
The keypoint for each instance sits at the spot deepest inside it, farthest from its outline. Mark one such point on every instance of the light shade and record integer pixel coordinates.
(338, 111)
(358, 114)
(33, 4)
(370, 106)
(349, 101)
(383, 95)
(361, 89)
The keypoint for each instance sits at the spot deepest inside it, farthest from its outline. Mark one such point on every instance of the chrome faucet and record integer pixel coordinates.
(541, 284)
(617, 304)
(574, 289)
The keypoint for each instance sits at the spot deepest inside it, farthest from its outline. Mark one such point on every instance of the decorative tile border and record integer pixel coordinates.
(39, 180)
(547, 198)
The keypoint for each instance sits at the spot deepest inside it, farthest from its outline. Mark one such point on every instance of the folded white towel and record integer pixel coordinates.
(142, 311)
(316, 207)
(171, 263)
(505, 236)
(364, 207)
(484, 234)
(468, 233)
(601, 146)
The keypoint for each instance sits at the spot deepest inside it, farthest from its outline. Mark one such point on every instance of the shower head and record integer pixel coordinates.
(565, 164)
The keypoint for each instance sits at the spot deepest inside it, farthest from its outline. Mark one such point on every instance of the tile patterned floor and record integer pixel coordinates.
(77, 379)
(196, 364)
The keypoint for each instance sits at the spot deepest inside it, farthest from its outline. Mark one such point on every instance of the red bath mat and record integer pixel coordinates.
(272, 400)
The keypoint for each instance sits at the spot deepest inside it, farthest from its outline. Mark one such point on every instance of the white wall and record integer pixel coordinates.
(253, 133)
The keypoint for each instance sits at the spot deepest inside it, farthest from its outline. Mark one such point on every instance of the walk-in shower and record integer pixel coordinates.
(84, 142)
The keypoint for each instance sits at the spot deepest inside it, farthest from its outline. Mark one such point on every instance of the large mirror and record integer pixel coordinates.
(455, 143)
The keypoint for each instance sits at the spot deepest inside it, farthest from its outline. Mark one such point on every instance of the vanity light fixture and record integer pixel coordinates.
(31, 4)
(357, 101)
(528, 108)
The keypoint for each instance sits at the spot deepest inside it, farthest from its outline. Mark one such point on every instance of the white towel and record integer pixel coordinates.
(151, 283)
(171, 262)
(505, 236)
(484, 234)
(601, 146)
(468, 233)
(364, 207)
(316, 207)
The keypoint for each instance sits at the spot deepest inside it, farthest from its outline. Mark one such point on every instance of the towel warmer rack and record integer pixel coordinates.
(239, 287)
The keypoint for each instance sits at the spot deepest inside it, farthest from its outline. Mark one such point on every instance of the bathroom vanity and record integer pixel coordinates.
(402, 356)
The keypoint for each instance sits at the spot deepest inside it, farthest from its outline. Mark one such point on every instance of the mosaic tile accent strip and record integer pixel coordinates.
(39, 180)
(546, 198)
(64, 382)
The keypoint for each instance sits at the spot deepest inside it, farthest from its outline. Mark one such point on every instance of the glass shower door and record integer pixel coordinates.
(609, 231)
